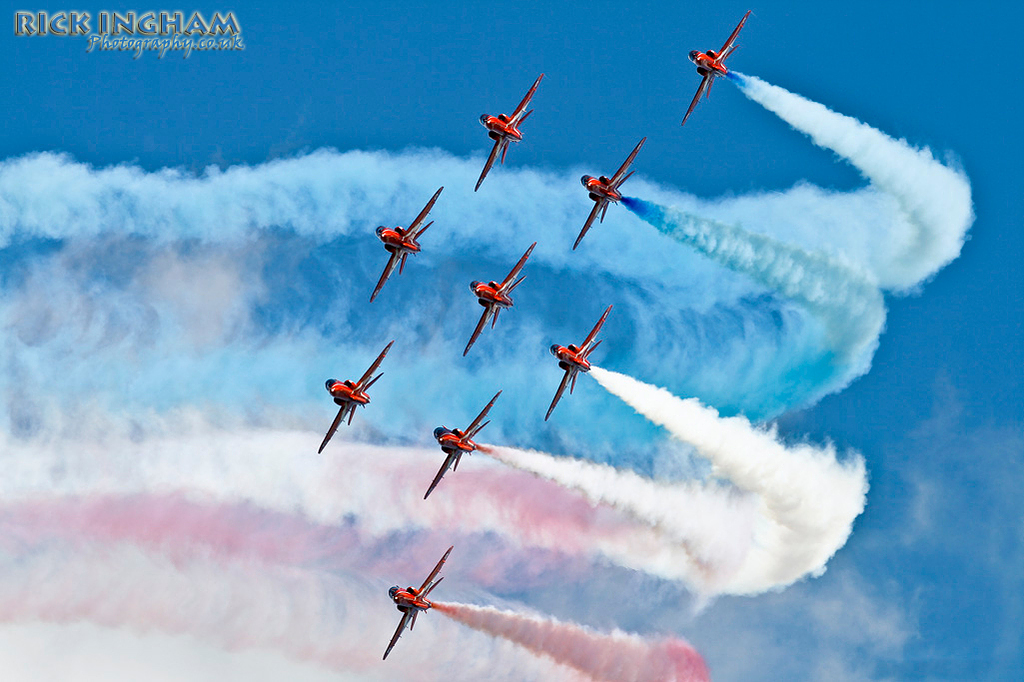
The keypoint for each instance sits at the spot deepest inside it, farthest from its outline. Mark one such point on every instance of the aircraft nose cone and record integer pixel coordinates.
(438, 432)
(473, 285)
(584, 180)
(693, 56)
(554, 349)
(328, 384)
(483, 119)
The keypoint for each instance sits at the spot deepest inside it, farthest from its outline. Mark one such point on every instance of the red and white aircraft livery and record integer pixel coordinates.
(411, 601)
(603, 190)
(351, 395)
(573, 359)
(504, 129)
(711, 64)
(495, 297)
(400, 242)
(456, 443)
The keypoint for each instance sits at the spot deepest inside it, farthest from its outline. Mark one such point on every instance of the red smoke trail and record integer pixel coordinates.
(615, 657)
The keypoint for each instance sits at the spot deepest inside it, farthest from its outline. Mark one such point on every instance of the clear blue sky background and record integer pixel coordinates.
(939, 418)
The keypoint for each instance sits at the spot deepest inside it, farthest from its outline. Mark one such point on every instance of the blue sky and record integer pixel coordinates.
(936, 557)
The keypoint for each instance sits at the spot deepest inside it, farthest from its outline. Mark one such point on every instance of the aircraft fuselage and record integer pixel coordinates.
(569, 356)
(709, 62)
(487, 294)
(499, 126)
(453, 441)
(345, 392)
(408, 599)
(599, 188)
(395, 239)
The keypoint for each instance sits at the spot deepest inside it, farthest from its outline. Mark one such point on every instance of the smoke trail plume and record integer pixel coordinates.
(339, 619)
(849, 305)
(808, 498)
(615, 657)
(935, 198)
(274, 471)
(286, 257)
(711, 525)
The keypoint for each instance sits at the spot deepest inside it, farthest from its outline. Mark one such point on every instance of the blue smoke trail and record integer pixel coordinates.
(850, 307)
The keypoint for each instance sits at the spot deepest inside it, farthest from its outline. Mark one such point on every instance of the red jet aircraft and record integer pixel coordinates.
(456, 443)
(400, 242)
(504, 129)
(495, 297)
(603, 190)
(710, 65)
(411, 601)
(573, 360)
(351, 395)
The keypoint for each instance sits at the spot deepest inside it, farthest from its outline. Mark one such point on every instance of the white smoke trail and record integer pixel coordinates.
(935, 198)
(808, 500)
(613, 657)
(713, 526)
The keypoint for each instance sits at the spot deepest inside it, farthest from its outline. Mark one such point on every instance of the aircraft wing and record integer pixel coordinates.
(498, 144)
(425, 587)
(440, 474)
(362, 383)
(406, 617)
(388, 269)
(515, 271)
(558, 394)
(488, 311)
(728, 47)
(593, 333)
(334, 424)
(618, 178)
(473, 428)
(696, 98)
(598, 204)
(517, 115)
(423, 214)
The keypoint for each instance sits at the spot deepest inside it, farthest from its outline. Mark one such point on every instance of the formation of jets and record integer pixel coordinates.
(495, 297)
